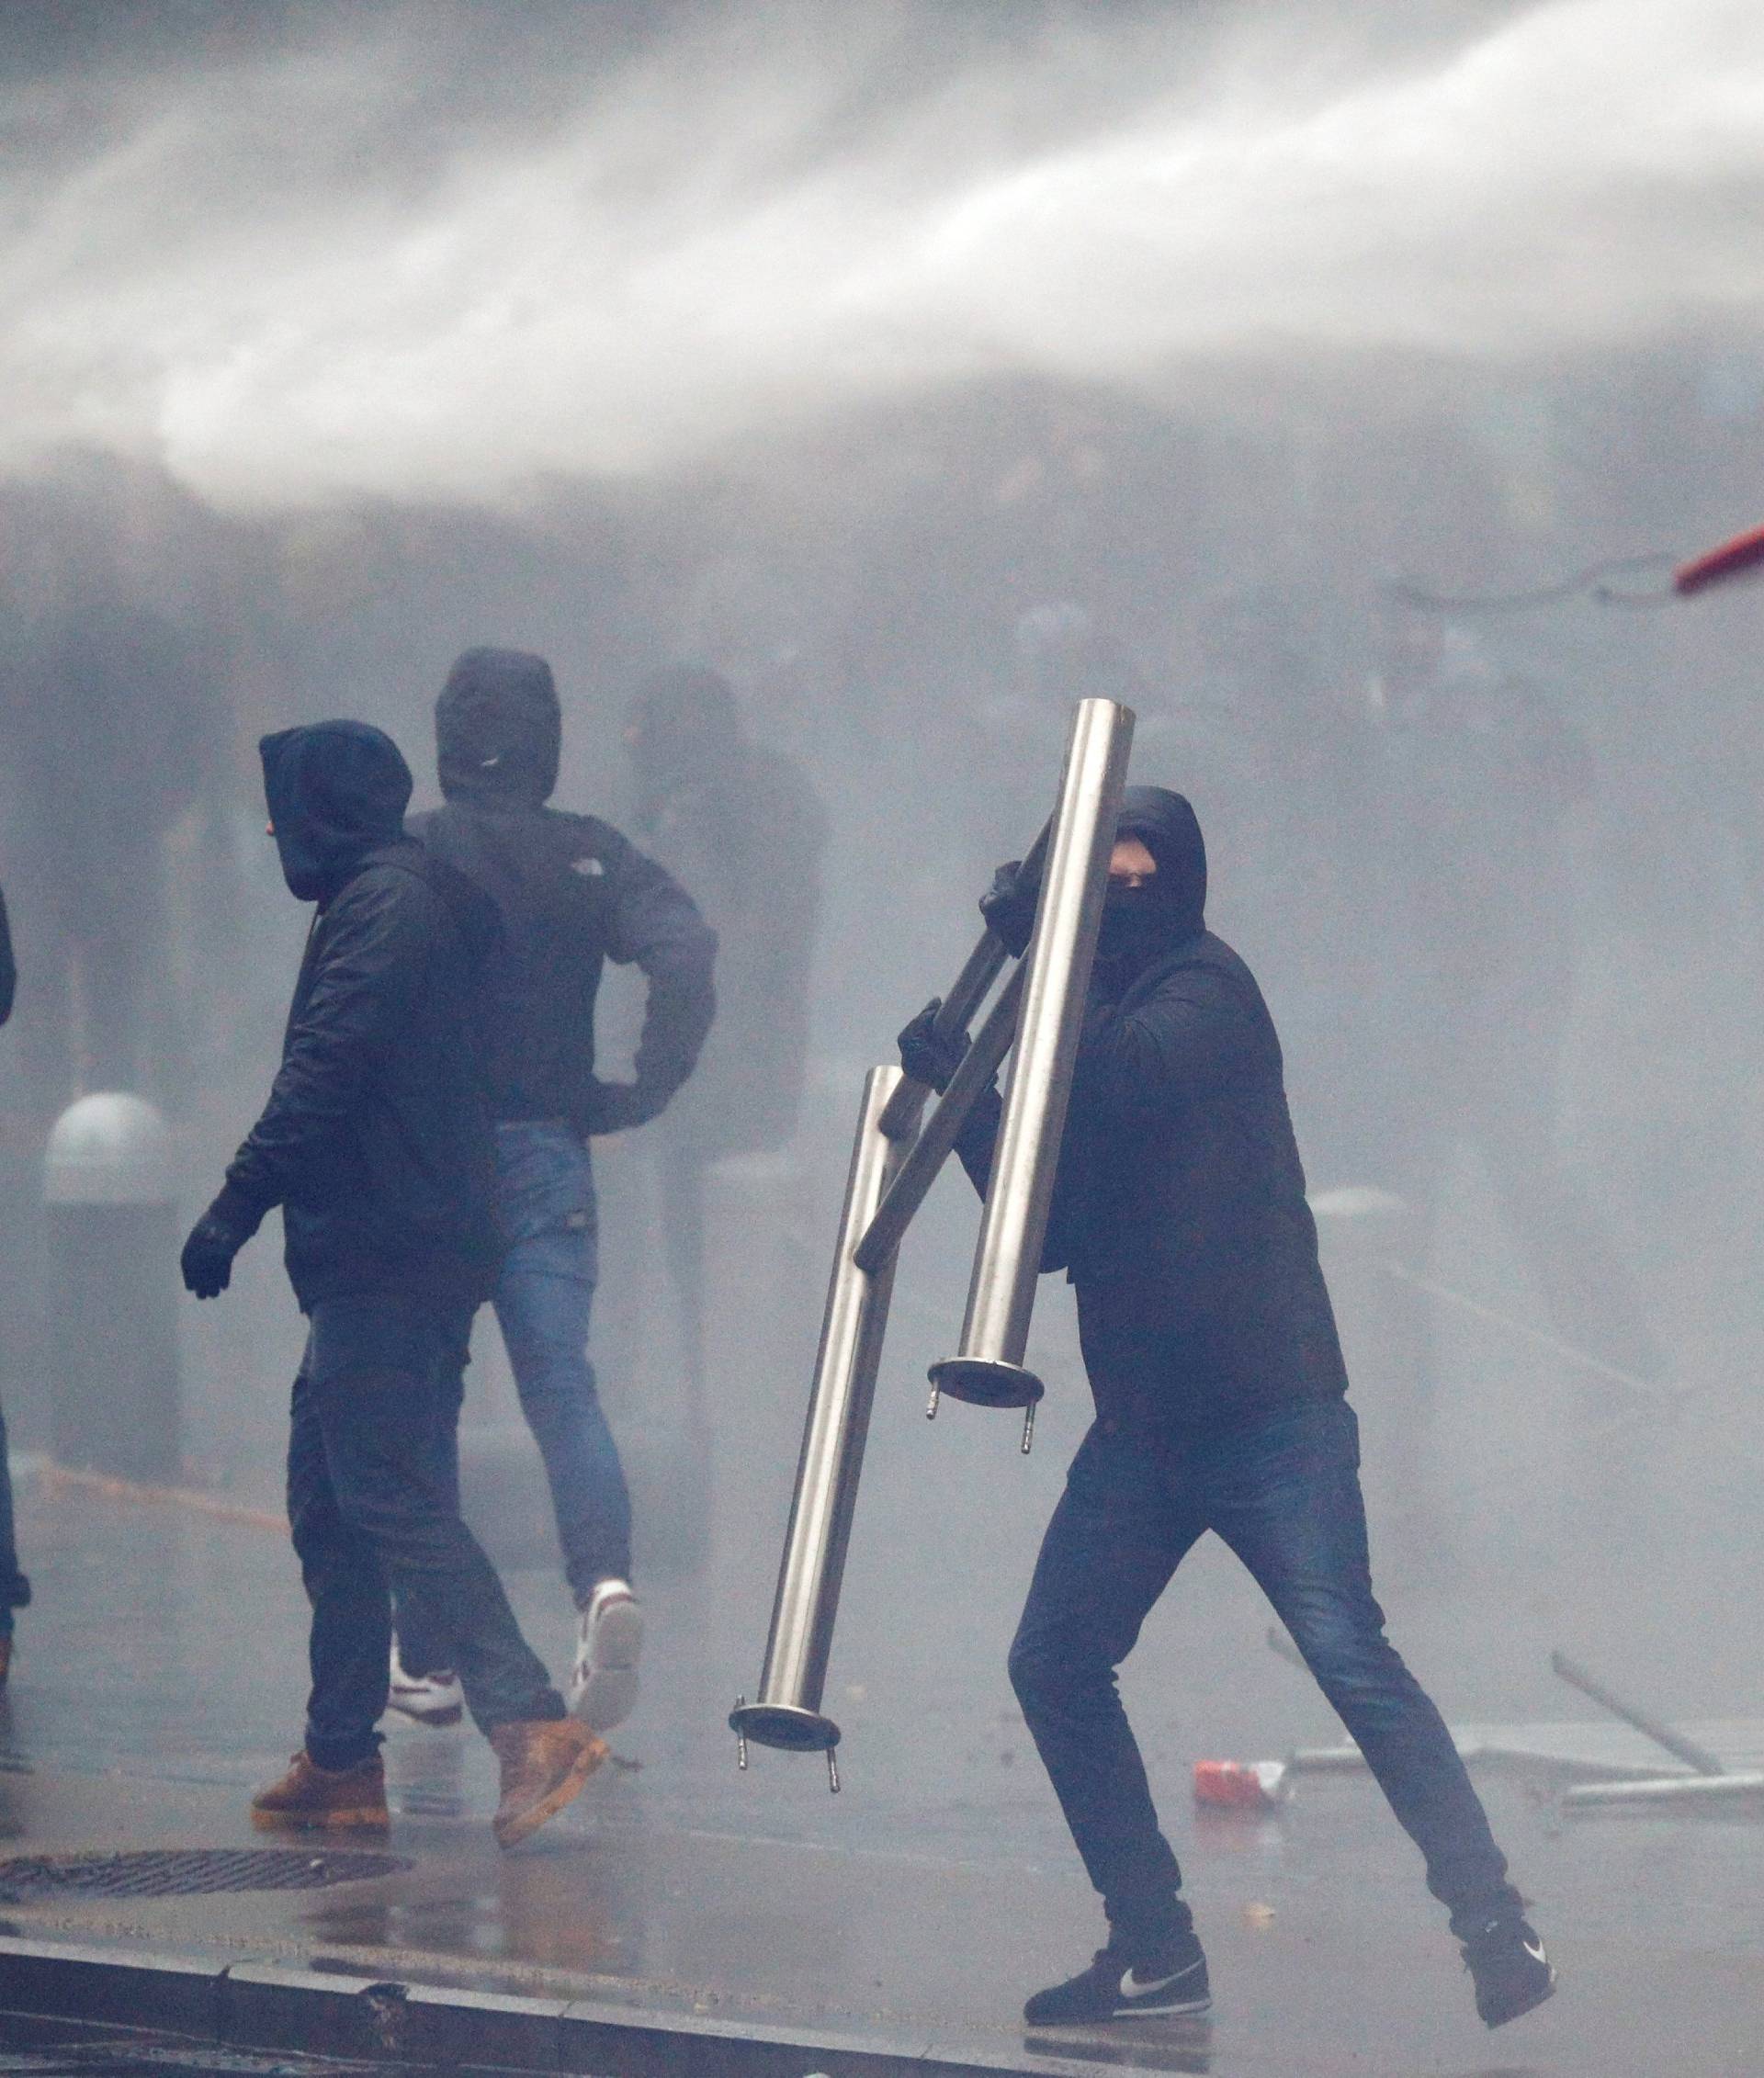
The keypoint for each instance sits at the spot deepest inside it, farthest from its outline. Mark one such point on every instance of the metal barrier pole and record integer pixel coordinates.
(919, 1171)
(787, 1711)
(989, 1371)
(966, 993)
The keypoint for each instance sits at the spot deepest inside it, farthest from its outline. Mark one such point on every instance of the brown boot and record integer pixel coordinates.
(544, 1767)
(311, 1799)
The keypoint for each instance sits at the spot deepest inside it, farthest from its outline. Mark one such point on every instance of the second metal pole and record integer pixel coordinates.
(786, 1712)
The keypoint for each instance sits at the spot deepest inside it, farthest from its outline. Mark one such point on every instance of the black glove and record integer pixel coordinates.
(926, 1054)
(1008, 907)
(615, 1107)
(215, 1239)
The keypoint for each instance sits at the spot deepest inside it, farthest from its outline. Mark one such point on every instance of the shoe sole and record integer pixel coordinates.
(437, 1720)
(603, 1693)
(554, 1800)
(364, 1820)
(1184, 2009)
(1531, 2005)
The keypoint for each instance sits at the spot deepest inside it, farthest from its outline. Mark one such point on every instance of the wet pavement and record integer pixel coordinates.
(159, 1679)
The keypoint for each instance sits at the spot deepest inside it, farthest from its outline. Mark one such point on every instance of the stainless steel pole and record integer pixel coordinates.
(989, 1370)
(966, 993)
(918, 1172)
(788, 1711)
(984, 966)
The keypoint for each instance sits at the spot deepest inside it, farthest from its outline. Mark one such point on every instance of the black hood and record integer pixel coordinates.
(683, 728)
(498, 730)
(336, 791)
(1141, 924)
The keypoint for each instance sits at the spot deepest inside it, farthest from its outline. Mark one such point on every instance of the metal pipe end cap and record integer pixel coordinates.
(783, 1725)
(985, 1384)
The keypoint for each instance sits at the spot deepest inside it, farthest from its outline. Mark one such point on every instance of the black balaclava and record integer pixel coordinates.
(1140, 924)
(336, 791)
(498, 730)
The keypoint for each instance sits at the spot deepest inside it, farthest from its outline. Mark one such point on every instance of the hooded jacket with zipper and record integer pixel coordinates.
(572, 893)
(1179, 1210)
(376, 1140)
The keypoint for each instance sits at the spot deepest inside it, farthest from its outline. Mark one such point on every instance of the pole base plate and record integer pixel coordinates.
(985, 1384)
(783, 1725)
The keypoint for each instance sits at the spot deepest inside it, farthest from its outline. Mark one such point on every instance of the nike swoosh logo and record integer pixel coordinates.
(1131, 1988)
(1536, 1954)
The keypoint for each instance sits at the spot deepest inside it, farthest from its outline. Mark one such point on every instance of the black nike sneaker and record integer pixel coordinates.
(1113, 1988)
(1511, 1973)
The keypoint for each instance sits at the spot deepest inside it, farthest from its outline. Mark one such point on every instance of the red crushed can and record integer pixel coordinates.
(1240, 1785)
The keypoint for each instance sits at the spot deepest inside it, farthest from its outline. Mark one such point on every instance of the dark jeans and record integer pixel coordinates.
(545, 1207)
(373, 1501)
(1282, 1490)
(15, 1589)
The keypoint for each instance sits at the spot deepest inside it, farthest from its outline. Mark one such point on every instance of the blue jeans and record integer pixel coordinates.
(1282, 1490)
(546, 1212)
(373, 1503)
(546, 1203)
(15, 1589)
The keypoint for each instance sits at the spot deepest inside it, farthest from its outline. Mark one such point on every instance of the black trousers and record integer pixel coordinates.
(1282, 1490)
(15, 1589)
(373, 1502)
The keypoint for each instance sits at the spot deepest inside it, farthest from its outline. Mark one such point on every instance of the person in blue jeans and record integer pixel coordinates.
(1180, 1216)
(570, 893)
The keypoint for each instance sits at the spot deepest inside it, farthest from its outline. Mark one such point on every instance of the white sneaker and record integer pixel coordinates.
(426, 1698)
(603, 1690)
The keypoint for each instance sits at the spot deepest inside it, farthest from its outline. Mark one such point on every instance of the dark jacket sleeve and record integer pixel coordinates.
(657, 924)
(8, 968)
(1134, 1066)
(979, 1137)
(373, 943)
(1138, 1065)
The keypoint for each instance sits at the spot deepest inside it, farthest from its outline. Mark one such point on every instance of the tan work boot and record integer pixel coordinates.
(310, 1799)
(544, 1767)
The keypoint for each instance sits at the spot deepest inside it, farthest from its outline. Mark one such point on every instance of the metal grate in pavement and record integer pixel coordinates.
(186, 1872)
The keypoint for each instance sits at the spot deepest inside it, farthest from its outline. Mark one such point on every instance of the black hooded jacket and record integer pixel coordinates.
(570, 893)
(376, 1138)
(1179, 1211)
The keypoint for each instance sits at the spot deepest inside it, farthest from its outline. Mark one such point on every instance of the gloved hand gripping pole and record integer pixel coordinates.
(1056, 972)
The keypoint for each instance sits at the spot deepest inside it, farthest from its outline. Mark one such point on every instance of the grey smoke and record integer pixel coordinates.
(398, 252)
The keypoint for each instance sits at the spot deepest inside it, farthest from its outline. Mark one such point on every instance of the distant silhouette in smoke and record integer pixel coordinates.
(741, 828)
(1480, 769)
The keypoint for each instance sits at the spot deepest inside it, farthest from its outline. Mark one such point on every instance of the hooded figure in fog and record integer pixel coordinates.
(376, 1144)
(742, 826)
(570, 893)
(1180, 1216)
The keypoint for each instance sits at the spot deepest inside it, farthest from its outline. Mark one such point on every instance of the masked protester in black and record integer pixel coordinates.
(570, 893)
(376, 1144)
(1180, 1217)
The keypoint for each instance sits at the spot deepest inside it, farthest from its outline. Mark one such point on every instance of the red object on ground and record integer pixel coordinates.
(1240, 1785)
(1744, 552)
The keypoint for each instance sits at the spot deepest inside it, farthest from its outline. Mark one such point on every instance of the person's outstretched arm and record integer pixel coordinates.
(656, 924)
